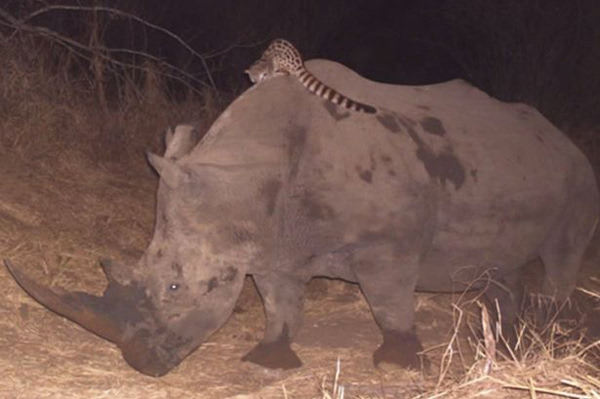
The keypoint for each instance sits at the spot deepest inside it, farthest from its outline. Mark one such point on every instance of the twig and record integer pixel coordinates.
(593, 294)
(449, 352)
(532, 389)
(71, 44)
(124, 14)
(336, 378)
(489, 341)
(548, 391)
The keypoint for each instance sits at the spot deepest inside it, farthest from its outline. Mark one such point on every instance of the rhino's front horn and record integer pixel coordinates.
(94, 313)
(123, 315)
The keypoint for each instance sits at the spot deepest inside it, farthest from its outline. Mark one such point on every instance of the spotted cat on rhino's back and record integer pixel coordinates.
(282, 58)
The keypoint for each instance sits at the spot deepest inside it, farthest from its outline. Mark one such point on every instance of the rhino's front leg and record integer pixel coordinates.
(388, 282)
(283, 301)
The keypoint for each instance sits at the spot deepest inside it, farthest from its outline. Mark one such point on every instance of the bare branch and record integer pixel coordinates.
(21, 25)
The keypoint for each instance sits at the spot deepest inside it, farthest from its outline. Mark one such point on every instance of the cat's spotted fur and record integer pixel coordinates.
(282, 58)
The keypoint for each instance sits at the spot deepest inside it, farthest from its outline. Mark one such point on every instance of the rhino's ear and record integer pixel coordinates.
(181, 141)
(168, 137)
(168, 170)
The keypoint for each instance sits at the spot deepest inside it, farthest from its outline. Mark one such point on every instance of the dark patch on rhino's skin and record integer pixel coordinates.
(212, 284)
(367, 174)
(334, 111)
(539, 138)
(128, 304)
(433, 125)
(474, 174)
(227, 276)
(176, 267)
(175, 341)
(387, 160)
(297, 144)
(315, 209)
(409, 125)
(364, 174)
(444, 166)
(241, 235)
(389, 122)
(373, 162)
(269, 191)
(424, 107)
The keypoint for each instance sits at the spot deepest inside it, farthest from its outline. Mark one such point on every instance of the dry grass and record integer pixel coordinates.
(52, 106)
(550, 367)
(545, 367)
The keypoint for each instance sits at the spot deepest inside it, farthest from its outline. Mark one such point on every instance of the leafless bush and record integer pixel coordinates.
(63, 92)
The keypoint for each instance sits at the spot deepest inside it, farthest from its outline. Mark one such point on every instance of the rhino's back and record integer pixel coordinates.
(454, 115)
(459, 106)
(470, 145)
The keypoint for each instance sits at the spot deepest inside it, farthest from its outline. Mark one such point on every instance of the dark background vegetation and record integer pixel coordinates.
(123, 53)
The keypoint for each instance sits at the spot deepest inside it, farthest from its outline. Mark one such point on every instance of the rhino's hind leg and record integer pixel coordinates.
(283, 301)
(388, 283)
(562, 256)
(563, 251)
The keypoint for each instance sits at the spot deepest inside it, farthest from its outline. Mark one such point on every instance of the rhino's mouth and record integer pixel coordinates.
(110, 316)
(149, 359)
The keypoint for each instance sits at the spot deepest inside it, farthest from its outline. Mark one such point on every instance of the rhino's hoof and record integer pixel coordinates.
(399, 349)
(275, 355)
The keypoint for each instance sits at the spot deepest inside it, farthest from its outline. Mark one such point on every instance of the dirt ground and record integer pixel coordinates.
(59, 216)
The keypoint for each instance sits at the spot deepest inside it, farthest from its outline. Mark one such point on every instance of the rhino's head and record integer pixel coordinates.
(185, 285)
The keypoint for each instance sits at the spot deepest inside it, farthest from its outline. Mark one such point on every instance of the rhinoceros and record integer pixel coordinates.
(441, 184)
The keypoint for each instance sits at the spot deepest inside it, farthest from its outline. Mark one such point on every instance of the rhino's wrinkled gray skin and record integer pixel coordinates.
(440, 185)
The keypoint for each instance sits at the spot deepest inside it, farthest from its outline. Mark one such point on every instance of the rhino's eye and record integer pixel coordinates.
(174, 287)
